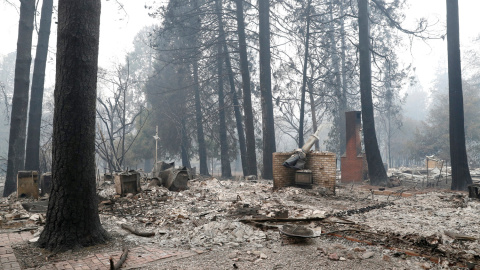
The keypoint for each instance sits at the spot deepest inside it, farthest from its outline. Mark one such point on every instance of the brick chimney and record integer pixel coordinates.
(352, 162)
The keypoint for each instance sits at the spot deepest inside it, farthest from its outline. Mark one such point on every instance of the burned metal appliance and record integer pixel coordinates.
(46, 183)
(303, 178)
(27, 184)
(127, 182)
(175, 179)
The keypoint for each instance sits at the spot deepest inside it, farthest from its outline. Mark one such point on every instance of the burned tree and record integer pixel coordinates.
(202, 149)
(247, 93)
(376, 171)
(458, 153)
(18, 123)
(304, 79)
(35, 114)
(224, 157)
(117, 116)
(72, 215)
(268, 126)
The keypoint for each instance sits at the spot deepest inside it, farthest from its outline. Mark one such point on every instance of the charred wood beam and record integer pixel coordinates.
(137, 232)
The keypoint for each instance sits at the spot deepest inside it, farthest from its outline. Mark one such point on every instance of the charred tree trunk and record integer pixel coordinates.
(184, 146)
(236, 104)
(340, 95)
(32, 159)
(72, 216)
(301, 141)
(268, 125)
(247, 94)
(376, 171)
(343, 102)
(224, 157)
(202, 149)
(236, 109)
(18, 123)
(458, 154)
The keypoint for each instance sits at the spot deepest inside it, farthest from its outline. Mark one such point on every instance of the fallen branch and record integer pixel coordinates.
(263, 226)
(334, 233)
(281, 219)
(136, 232)
(121, 261)
(26, 229)
(459, 236)
(352, 230)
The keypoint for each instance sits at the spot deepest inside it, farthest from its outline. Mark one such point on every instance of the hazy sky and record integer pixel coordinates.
(118, 29)
(427, 58)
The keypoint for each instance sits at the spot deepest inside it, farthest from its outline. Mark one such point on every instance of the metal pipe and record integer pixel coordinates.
(311, 140)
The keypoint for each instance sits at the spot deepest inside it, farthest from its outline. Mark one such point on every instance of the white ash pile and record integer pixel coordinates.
(434, 215)
(22, 213)
(206, 215)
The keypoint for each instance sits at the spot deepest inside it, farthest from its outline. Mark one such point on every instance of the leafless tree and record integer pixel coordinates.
(118, 114)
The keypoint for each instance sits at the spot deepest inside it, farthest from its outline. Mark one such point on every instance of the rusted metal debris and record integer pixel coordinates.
(165, 174)
(298, 159)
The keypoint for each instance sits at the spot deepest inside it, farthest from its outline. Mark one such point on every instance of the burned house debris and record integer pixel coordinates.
(250, 222)
(407, 226)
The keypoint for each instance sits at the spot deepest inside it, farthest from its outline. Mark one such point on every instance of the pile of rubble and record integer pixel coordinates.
(244, 215)
(207, 214)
